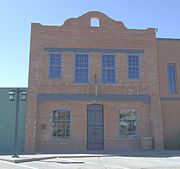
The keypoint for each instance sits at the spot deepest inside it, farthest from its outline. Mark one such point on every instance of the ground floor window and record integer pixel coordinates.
(127, 122)
(61, 123)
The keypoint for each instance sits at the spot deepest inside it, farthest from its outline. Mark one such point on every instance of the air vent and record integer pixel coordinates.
(94, 22)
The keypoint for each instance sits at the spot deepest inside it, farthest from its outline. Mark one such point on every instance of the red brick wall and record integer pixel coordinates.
(77, 33)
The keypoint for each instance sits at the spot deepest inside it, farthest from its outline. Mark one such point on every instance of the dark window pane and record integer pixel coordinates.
(81, 68)
(133, 67)
(54, 66)
(108, 69)
(171, 78)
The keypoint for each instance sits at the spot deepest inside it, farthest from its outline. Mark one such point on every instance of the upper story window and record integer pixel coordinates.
(171, 69)
(55, 66)
(133, 67)
(127, 123)
(94, 22)
(108, 69)
(81, 68)
(61, 123)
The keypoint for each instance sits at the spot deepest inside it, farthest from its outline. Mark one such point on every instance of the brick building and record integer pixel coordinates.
(95, 84)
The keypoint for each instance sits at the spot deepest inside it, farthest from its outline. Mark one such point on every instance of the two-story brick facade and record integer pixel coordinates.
(93, 87)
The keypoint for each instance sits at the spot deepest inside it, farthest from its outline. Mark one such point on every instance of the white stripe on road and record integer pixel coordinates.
(20, 165)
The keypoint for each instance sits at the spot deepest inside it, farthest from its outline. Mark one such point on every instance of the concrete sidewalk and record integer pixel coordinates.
(128, 153)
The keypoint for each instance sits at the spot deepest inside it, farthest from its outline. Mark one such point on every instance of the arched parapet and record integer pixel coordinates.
(101, 21)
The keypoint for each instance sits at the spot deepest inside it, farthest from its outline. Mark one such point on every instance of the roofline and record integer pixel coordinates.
(168, 39)
(13, 87)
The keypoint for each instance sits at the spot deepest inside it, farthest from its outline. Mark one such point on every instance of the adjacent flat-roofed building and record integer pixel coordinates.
(94, 84)
(7, 122)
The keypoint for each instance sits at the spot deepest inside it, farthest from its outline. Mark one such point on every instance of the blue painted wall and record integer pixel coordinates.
(7, 123)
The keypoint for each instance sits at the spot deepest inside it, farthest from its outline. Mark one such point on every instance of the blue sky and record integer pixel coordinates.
(16, 17)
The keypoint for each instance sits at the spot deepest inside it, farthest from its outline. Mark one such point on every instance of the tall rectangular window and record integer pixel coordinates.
(81, 68)
(171, 69)
(55, 66)
(133, 67)
(61, 123)
(127, 122)
(108, 69)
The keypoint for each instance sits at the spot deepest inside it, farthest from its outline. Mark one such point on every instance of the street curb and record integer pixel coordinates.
(36, 158)
(27, 159)
(19, 160)
(82, 156)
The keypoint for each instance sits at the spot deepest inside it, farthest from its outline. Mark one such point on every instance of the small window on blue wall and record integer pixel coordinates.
(81, 68)
(171, 69)
(55, 66)
(133, 67)
(108, 69)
